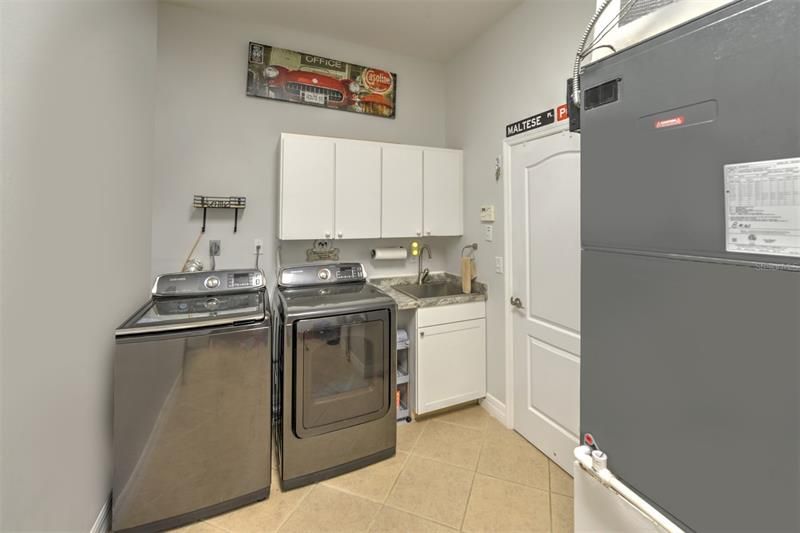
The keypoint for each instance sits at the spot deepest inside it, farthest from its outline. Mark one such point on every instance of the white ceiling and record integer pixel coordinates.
(429, 29)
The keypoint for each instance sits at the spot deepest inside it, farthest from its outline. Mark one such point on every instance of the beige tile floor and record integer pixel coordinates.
(459, 471)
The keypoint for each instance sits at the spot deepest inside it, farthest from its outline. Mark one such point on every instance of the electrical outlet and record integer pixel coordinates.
(214, 248)
(488, 232)
(498, 264)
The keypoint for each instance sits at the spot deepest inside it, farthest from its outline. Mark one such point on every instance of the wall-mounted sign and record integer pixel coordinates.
(531, 123)
(281, 74)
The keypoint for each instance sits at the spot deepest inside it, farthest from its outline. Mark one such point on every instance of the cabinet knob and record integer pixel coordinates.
(328, 235)
(427, 233)
(339, 234)
(421, 333)
(419, 233)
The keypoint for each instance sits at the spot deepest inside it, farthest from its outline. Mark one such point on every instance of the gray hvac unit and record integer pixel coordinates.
(690, 179)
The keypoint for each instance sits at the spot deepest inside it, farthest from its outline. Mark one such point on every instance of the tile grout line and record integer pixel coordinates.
(472, 483)
(446, 463)
(389, 494)
(375, 517)
(550, 491)
(517, 483)
(402, 468)
(440, 418)
(469, 498)
(419, 437)
(296, 507)
(408, 460)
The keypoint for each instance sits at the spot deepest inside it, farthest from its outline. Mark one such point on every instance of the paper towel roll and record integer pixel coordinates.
(390, 254)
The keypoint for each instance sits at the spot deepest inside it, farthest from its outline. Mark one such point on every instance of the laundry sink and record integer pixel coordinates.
(435, 289)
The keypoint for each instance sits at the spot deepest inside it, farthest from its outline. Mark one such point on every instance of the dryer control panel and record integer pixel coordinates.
(213, 282)
(310, 275)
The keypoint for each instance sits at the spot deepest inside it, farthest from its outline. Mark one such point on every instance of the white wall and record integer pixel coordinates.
(77, 143)
(516, 69)
(212, 139)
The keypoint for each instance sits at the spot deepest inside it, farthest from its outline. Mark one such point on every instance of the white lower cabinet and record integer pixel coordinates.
(451, 356)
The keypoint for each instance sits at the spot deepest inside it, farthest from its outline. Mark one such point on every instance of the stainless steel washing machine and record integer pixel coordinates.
(192, 401)
(334, 372)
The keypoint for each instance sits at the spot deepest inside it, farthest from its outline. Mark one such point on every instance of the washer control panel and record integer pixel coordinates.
(309, 275)
(214, 282)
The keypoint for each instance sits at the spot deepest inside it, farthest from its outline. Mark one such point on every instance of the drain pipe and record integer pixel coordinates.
(594, 462)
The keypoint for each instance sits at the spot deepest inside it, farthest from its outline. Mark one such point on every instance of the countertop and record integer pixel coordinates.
(404, 301)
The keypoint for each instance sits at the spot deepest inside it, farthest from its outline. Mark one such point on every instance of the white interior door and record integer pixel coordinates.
(545, 211)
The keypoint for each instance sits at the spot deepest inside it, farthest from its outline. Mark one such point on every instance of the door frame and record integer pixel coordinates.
(508, 144)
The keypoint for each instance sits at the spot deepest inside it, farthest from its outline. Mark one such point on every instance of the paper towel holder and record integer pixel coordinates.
(393, 253)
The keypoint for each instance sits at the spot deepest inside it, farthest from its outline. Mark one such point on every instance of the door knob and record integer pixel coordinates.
(516, 302)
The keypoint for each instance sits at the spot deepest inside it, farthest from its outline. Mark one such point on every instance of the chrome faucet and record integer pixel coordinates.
(422, 275)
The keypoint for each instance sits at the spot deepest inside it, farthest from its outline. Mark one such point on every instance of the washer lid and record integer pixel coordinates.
(167, 314)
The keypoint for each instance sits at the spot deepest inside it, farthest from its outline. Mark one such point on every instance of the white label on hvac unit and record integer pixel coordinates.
(762, 207)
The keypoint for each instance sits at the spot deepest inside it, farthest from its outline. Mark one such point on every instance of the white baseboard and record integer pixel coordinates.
(103, 522)
(495, 407)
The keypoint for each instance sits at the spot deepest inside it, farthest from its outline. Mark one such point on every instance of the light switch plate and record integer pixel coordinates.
(498, 264)
(487, 213)
(488, 232)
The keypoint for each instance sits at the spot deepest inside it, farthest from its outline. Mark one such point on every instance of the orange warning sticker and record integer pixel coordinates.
(670, 122)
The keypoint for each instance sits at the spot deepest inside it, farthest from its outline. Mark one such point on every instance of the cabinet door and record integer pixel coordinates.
(307, 170)
(442, 192)
(358, 190)
(401, 205)
(451, 364)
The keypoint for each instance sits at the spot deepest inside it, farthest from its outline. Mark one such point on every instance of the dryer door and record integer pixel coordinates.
(343, 371)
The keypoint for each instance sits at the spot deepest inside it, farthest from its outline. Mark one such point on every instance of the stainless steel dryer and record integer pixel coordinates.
(334, 372)
(192, 401)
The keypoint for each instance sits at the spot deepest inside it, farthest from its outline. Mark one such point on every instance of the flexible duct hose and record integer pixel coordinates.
(576, 69)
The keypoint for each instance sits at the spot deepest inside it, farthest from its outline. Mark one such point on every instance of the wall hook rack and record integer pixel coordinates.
(220, 202)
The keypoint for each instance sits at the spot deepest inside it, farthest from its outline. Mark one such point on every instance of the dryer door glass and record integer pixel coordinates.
(344, 368)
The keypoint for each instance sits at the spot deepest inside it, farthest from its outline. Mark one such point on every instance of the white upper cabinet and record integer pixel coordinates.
(349, 189)
(402, 191)
(442, 194)
(358, 190)
(307, 182)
